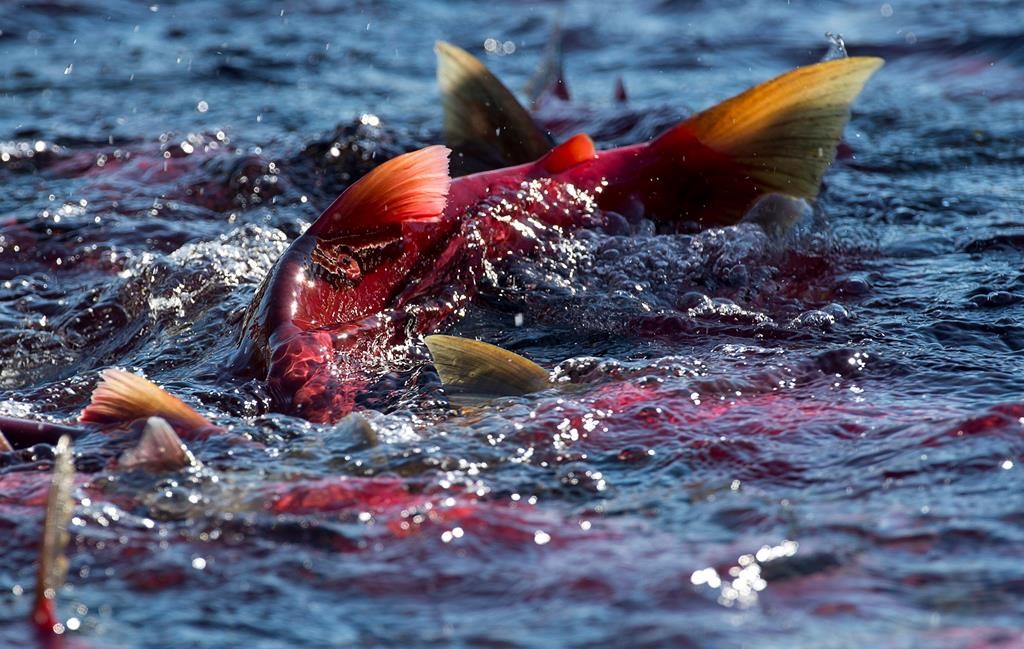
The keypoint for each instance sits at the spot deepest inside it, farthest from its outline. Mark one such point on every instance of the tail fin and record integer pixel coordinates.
(53, 564)
(473, 372)
(122, 397)
(779, 136)
(5, 446)
(483, 122)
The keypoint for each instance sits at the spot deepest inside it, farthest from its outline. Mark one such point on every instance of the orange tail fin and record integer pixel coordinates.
(122, 397)
(779, 136)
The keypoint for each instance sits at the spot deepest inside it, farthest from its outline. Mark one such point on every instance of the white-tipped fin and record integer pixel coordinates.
(473, 372)
(5, 446)
(159, 449)
(53, 563)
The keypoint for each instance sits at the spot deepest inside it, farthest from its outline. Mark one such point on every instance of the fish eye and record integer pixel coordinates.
(349, 267)
(338, 265)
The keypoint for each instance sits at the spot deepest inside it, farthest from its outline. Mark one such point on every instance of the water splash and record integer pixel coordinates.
(836, 47)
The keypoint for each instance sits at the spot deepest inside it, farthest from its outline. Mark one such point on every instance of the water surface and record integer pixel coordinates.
(814, 441)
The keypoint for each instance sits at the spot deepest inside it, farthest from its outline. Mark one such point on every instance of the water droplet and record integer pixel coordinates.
(836, 47)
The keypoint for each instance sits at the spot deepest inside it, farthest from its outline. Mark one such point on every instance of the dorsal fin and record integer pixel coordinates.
(122, 397)
(52, 564)
(549, 78)
(579, 148)
(779, 136)
(473, 371)
(409, 187)
(620, 94)
(159, 449)
(483, 121)
(5, 446)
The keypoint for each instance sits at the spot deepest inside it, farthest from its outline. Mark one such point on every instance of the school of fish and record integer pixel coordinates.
(395, 260)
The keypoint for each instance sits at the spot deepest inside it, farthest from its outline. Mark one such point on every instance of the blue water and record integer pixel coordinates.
(814, 441)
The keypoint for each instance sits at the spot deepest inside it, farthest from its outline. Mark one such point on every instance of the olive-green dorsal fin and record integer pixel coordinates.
(473, 371)
(483, 122)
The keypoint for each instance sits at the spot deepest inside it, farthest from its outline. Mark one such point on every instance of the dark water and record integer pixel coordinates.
(814, 442)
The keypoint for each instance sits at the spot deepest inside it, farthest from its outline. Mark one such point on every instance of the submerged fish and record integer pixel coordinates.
(398, 254)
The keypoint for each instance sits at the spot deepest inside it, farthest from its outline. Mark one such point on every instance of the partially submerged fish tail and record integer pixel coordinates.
(779, 136)
(53, 563)
(122, 397)
(473, 372)
(483, 122)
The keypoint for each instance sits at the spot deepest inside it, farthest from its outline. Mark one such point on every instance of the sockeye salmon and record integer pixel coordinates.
(399, 253)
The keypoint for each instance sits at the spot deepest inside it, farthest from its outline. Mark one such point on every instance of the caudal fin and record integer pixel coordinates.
(122, 397)
(5, 446)
(473, 372)
(779, 136)
(53, 564)
(483, 122)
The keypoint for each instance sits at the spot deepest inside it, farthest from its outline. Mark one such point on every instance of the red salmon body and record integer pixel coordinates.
(399, 253)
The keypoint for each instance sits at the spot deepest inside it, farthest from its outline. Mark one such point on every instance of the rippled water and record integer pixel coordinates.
(808, 441)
